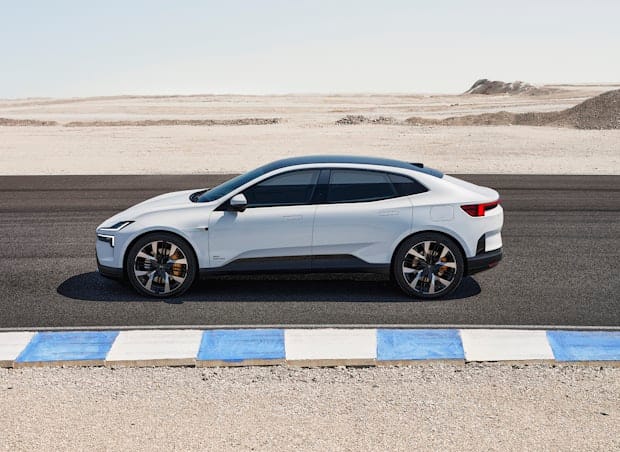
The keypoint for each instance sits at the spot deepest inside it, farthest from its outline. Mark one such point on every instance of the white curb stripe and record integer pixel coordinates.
(155, 345)
(321, 344)
(505, 345)
(12, 344)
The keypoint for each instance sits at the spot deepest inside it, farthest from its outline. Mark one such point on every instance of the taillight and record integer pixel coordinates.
(478, 210)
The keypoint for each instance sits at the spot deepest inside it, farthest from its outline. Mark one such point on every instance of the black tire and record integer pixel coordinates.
(417, 267)
(168, 271)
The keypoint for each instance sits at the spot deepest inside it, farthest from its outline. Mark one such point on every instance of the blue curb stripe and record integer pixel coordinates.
(395, 345)
(69, 346)
(241, 345)
(585, 345)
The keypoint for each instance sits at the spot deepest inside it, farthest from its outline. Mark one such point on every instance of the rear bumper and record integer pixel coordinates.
(110, 272)
(483, 261)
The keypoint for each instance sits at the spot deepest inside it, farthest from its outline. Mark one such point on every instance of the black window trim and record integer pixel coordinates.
(321, 187)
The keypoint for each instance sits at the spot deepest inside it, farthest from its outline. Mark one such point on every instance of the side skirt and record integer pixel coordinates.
(340, 263)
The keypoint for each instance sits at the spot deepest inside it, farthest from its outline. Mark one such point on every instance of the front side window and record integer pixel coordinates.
(292, 188)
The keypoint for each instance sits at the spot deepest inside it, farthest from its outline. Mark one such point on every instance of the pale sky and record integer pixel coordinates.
(68, 48)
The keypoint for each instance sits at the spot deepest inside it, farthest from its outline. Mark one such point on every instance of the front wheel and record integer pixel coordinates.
(161, 265)
(428, 266)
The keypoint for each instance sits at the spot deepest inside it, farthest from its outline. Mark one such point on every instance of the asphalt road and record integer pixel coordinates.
(561, 264)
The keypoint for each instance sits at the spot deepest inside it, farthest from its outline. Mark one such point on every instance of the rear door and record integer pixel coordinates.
(275, 230)
(362, 215)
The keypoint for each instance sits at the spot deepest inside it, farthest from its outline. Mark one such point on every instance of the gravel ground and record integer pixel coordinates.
(426, 407)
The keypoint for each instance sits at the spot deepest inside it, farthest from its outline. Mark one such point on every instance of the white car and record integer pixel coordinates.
(310, 214)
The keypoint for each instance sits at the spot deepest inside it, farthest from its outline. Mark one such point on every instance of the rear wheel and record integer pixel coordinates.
(428, 266)
(161, 265)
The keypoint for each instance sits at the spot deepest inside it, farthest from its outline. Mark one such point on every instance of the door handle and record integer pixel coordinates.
(292, 217)
(388, 212)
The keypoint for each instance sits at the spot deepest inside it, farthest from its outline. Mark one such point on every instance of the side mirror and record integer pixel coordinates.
(238, 203)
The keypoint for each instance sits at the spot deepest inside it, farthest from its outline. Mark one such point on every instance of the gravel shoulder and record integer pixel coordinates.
(430, 407)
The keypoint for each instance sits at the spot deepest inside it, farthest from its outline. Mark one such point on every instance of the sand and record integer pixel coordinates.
(430, 407)
(237, 133)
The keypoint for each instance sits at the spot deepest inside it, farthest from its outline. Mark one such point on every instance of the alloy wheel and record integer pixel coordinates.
(429, 267)
(160, 267)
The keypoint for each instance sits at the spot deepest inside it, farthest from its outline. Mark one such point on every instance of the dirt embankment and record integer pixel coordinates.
(600, 112)
(146, 123)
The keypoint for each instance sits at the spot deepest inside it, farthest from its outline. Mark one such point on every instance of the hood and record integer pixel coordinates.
(167, 201)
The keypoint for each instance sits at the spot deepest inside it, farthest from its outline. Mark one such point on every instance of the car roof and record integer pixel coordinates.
(354, 159)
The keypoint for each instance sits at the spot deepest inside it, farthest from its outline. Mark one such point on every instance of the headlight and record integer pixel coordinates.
(117, 227)
(106, 238)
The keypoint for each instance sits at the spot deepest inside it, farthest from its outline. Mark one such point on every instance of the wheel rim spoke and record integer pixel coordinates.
(143, 255)
(414, 253)
(444, 251)
(154, 249)
(414, 283)
(408, 270)
(166, 283)
(149, 282)
(431, 285)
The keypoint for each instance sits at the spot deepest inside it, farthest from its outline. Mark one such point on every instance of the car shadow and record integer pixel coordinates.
(279, 288)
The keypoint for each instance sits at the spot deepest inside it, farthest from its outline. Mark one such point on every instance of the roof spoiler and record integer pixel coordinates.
(419, 165)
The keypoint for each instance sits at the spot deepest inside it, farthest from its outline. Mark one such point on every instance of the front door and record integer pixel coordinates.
(275, 230)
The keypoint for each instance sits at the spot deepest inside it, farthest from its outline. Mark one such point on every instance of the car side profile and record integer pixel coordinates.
(425, 229)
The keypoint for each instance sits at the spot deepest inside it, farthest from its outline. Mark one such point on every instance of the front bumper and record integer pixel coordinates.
(483, 261)
(110, 272)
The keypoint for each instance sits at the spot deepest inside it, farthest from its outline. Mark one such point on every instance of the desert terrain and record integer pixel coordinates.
(467, 133)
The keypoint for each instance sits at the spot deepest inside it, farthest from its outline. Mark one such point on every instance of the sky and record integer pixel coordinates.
(68, 48)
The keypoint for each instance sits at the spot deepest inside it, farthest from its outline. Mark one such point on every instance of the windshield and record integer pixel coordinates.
(236, 182)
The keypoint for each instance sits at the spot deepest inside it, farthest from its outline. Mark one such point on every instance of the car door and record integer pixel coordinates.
(363, 215)
(274, 231)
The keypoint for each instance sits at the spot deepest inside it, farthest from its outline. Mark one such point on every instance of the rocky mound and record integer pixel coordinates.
(600, 112)
(25, 122)
(486, 86)
(361, 119)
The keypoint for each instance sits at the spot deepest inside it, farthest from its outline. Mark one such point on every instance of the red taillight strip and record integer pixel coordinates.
(478, 210)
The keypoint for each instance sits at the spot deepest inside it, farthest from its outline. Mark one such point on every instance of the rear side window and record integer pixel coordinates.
(359, 186)
(292, 188)
(362, 186)
(405, 186)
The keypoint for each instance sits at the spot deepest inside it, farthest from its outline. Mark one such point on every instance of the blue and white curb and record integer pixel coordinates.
(303, 347)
